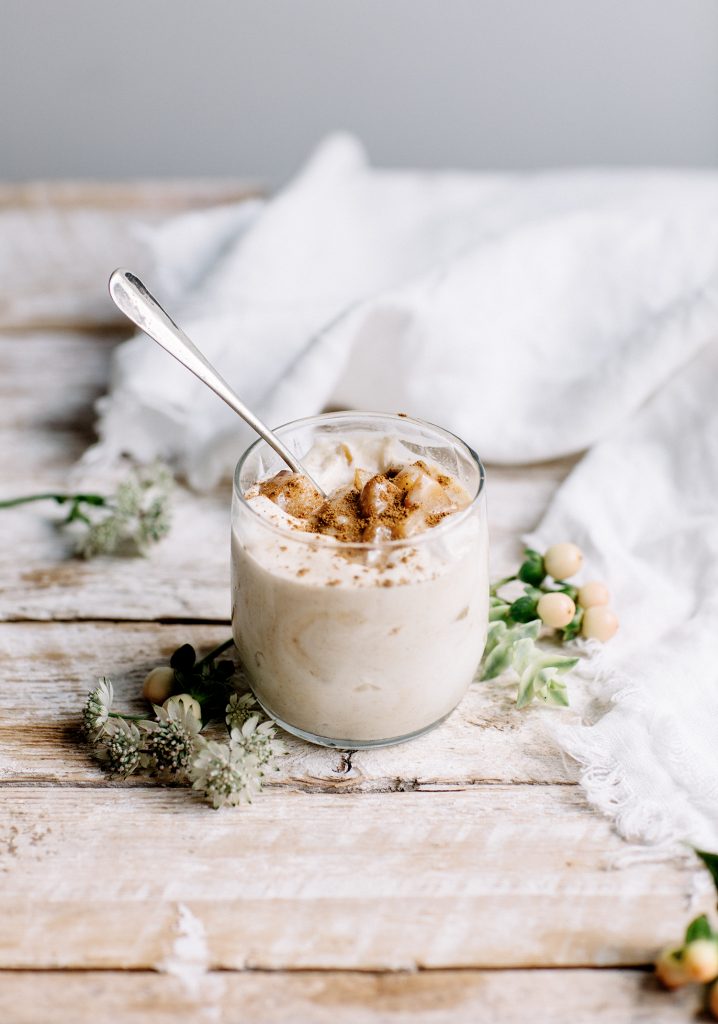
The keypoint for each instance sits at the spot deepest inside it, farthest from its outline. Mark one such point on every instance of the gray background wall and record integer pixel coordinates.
(93, 88)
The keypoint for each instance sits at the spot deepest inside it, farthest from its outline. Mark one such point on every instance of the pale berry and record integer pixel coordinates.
(158, 684)
(700, 960)
(670, 971)
(592, 594)
(563, 560)
(599, 623)
(556, 610)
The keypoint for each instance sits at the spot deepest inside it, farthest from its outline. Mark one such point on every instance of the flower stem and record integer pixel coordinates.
(501, 583)
(213, 654)
(88, 499)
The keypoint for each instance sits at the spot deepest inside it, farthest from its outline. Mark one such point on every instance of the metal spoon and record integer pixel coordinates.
(133, 299)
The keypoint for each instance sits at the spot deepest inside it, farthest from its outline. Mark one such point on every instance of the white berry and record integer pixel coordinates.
(599, 623)
(593, 593)
(158, 684)
(556, 610)
(563, 560)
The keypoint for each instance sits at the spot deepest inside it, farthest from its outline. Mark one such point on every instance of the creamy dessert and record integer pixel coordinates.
(361, 615)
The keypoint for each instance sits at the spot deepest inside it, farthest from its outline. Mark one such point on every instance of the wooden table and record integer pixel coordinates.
(461, 877)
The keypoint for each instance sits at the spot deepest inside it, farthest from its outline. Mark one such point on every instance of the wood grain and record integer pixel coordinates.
(60, 241)
(49, 667)
(509, 876)
(433, 997)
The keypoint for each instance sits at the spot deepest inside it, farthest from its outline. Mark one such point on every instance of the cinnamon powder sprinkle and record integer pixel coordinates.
(394, 505)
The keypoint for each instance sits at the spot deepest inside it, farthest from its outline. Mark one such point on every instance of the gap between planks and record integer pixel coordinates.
(441, 997)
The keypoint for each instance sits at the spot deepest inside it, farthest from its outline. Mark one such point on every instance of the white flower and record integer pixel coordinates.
(258, 738)
(173, 738)
(186, 701)
(121, 748)
(97, 709)
(240, 709)
(137, 515)
(225, 772)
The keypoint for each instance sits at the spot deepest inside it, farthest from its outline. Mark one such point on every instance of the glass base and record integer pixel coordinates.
(340, 744)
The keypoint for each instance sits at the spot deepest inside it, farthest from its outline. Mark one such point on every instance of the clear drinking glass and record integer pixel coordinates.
(360, 644)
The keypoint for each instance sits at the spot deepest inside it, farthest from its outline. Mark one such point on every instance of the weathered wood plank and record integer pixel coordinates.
(49, 383)
(430, 997)
(510, 876)
(60, 241)
(49, 667)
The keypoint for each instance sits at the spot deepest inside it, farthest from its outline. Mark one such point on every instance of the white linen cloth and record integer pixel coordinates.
(534, 316)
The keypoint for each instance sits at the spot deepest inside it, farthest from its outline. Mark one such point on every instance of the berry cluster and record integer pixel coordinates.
(570, 610)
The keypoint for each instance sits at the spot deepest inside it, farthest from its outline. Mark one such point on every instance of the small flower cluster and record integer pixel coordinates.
(696, 959)
(570, 611)
(126, 522)
(134, 518)
(171, 744)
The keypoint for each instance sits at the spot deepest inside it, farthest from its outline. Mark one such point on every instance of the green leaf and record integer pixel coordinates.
(498, 609)
(538, 677)
(525, 652)
(526, 692)
(526, 630)
(494, 635)
(699, 929)
(497, 662)
(711, 862)
(513, 646)
(532, 569)
(523, 609)
(183, 658)
(499, 614)
(556, 693)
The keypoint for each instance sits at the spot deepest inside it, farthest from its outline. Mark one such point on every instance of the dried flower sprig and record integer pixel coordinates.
(171, 744)
(515, 623)
(696, 959)
(127, 522)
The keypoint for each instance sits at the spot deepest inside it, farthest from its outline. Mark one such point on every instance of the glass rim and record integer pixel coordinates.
(365, 545)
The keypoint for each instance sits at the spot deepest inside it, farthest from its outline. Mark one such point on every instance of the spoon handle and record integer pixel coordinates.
(135, 301)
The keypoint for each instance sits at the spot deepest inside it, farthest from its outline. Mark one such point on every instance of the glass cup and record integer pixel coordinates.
(355, 645)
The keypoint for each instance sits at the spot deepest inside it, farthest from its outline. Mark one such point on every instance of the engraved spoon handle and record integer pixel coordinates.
(135, 301)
